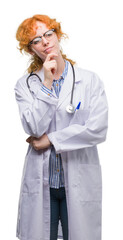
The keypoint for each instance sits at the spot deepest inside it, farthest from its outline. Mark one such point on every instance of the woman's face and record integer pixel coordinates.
(46, 46)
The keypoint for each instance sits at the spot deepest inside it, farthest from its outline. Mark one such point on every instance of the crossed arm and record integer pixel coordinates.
(39, 143)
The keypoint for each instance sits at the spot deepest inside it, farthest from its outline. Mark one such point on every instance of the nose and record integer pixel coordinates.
(44, 41)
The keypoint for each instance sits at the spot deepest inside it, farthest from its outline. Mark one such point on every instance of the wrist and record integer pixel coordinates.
(47, 84)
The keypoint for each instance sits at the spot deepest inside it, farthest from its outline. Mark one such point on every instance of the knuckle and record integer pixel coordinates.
(36, 148)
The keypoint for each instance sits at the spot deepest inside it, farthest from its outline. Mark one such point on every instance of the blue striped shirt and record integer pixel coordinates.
(56, 173)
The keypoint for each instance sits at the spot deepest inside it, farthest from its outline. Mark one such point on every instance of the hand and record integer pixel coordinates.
(50, 67)
(39, 143)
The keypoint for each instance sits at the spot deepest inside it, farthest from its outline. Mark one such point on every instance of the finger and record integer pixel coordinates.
(29, 139)
(52, 64)
(50, 56)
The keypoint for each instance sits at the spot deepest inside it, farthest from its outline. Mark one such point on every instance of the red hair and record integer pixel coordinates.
(27, 29)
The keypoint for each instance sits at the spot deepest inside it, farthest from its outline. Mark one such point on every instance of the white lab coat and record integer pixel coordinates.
(75, 136)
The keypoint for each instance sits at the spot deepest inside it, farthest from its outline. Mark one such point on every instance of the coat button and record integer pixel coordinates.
(46, 182)
(57, 170)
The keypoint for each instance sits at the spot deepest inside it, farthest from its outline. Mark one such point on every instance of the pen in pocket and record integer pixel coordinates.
(78, 106)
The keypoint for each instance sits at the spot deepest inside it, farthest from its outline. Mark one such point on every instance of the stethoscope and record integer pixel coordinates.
(70, 107)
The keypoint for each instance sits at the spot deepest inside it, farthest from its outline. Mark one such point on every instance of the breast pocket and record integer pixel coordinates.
(80, 117)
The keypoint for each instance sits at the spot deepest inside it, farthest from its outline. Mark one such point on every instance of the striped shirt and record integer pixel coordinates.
(56, 173)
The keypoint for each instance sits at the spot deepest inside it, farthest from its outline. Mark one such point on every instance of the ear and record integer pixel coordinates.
(31, 52)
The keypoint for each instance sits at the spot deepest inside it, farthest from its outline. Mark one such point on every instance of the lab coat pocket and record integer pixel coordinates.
(31, 186)
(90, 182)
(80, 117)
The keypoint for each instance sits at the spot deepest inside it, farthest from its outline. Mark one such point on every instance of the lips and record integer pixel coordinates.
(47, 50)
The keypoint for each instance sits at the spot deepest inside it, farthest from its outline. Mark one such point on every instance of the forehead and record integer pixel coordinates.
(40, 27)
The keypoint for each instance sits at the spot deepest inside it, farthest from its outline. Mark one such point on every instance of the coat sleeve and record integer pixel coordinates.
(36, 112)
(93, 132)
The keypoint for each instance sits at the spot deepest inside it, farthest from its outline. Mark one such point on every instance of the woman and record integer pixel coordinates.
(62, 173)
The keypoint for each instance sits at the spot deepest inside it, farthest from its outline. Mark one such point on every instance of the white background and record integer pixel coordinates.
(95, 30)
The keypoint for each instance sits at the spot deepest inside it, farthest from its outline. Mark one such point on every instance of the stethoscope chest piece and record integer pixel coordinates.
(70, 108)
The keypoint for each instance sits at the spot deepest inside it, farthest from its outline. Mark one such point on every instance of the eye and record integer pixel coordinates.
(36, 40)
(49, 34)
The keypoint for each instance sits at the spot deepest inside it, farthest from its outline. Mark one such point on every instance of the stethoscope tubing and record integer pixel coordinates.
(71, 100)
(30, 75)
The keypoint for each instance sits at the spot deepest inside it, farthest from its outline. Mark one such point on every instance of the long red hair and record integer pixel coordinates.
(27, 29)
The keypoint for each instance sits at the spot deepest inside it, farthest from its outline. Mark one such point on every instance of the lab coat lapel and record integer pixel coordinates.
(67, 85)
